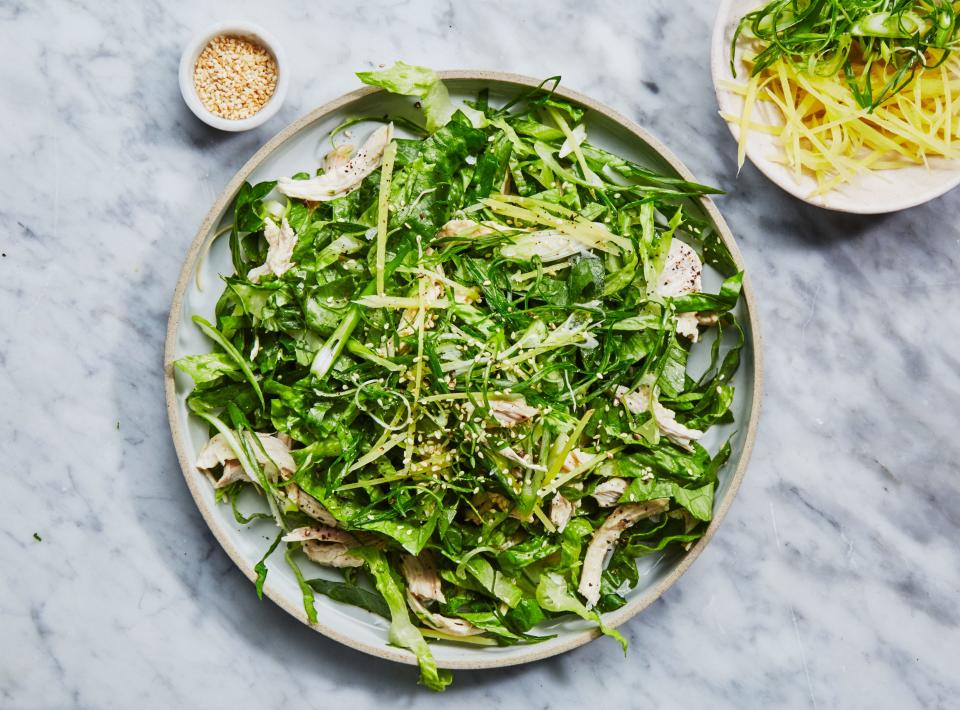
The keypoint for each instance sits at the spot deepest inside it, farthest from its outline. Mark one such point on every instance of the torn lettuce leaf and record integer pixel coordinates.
(425, 84)
(553, 594)
(402, 631)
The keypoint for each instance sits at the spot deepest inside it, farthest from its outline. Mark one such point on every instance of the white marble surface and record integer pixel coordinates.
(834, 581)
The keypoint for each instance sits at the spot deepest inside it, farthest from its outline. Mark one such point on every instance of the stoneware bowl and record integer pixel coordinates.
(255, 34)
(876, 192)
(300, 146)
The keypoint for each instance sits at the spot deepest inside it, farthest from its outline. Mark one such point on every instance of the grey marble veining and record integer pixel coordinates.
(834, 581)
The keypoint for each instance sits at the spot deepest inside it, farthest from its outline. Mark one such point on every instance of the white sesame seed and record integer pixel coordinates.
(234, 77)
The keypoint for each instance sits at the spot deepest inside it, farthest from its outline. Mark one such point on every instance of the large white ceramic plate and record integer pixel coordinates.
(875, 192)
(300, 147)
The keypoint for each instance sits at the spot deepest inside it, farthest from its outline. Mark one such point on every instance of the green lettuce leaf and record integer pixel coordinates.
(554, 595)
(352, 594)
(207, 368)
(487, 579)
(698, 501)
(425, 84)
(721, 302)
(402, 631)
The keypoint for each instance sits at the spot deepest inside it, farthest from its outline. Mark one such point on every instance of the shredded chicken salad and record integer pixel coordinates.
(454, 367)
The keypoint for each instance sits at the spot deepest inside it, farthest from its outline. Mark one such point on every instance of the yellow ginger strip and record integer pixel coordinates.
(748, 102)
(827, 135)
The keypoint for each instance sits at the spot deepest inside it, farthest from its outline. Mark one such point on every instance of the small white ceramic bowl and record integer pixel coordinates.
(249, 31)
(874, 192)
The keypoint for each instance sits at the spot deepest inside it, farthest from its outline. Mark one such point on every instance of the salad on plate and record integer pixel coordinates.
(452, 363)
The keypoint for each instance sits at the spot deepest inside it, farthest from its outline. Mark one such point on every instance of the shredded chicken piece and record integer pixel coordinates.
(277, 448)
(337, 158)
(232, 472)
(343, 178)
(561, 510)
(280, 244)
(608, 493)
(575, 459)
(274, 456)
(308, 505)
(320, 533)
(410, 320)
(455, 627)
(509, 412)
(606, 536)
(675, 431)
(331, 554)
(687, 326)
(639, 401)
(682, 274)
(421, 576)
(463, 227)
(423, 583)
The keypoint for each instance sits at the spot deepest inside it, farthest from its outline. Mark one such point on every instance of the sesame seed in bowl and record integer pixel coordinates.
(233, 76)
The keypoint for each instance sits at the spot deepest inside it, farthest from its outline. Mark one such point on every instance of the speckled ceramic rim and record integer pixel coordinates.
(194, 480)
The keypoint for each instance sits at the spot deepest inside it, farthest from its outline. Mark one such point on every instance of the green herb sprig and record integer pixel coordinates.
(852, 38)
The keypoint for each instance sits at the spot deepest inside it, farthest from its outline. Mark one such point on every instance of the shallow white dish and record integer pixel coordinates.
(876, 192)
(300, 147)
(249, 31)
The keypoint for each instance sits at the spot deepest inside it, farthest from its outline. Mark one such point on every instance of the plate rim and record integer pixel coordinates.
(832, 200)
(538, 651)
